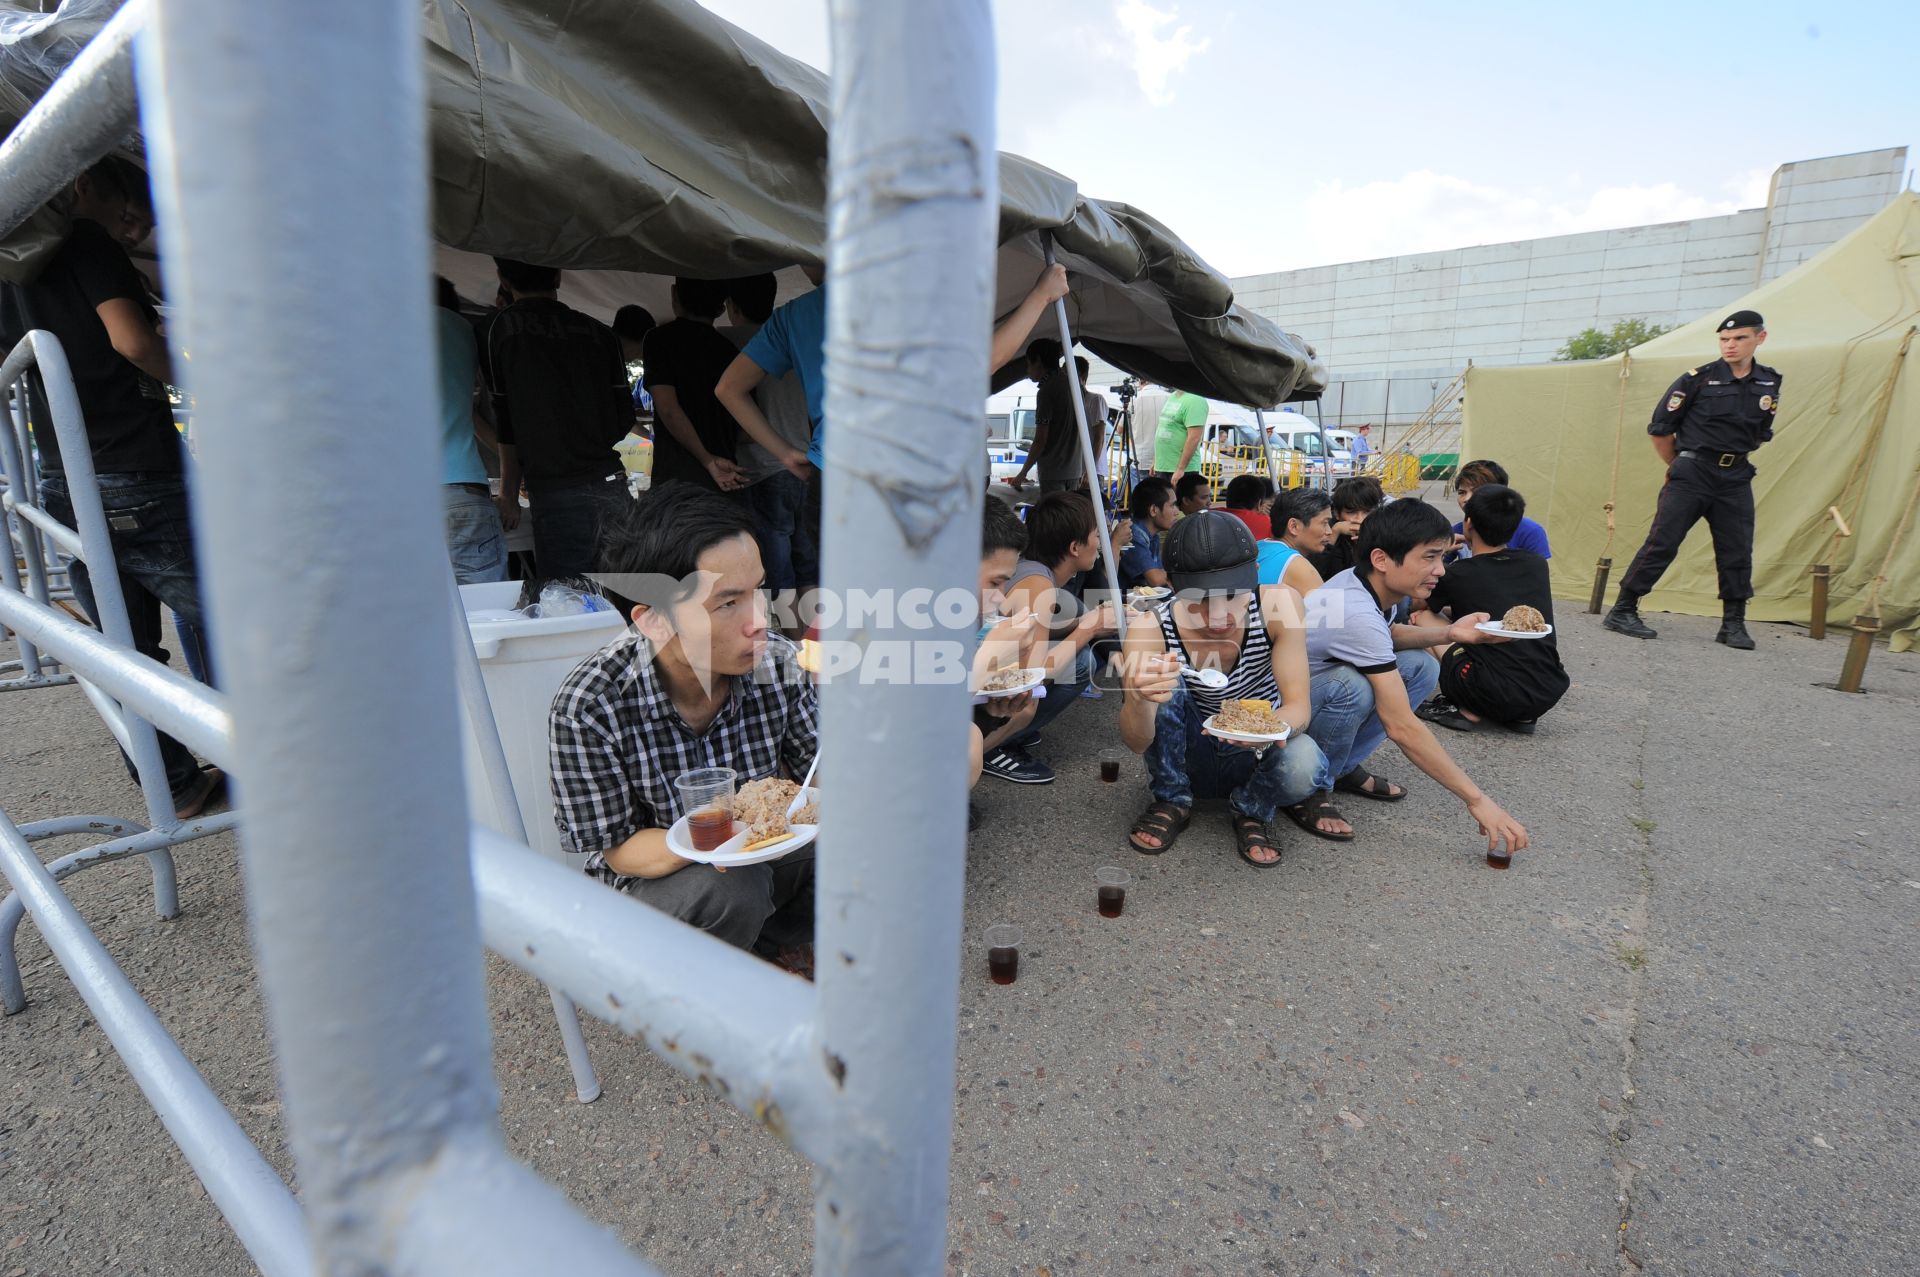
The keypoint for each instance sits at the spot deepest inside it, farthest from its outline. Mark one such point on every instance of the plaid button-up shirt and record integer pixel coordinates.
(615, 742)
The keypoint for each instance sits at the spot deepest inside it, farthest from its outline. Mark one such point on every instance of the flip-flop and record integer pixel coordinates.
(1163, 820)
(1450, 717)
(1249, 833)
(1354, 782)
(1310, 811)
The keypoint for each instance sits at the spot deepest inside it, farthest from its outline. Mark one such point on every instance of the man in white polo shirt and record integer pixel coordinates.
(1370, 669)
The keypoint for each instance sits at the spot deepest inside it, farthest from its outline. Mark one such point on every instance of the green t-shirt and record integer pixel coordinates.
(1181, 413)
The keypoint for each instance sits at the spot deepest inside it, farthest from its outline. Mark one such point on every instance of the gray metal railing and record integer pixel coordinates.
(291, 255)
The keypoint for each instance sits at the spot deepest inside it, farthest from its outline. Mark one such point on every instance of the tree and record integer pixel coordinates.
(1592, 343)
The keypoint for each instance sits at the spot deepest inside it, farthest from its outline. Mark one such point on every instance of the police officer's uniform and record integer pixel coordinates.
(1717, 421)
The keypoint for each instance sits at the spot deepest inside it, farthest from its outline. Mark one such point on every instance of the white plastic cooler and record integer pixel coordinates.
(523, 662)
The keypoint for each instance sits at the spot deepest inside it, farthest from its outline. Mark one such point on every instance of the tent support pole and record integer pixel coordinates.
(1601, 571)
(1068, 371)
(1854, 668)
(1817, 623)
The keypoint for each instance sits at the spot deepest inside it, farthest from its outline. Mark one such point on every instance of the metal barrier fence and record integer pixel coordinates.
(283, 141)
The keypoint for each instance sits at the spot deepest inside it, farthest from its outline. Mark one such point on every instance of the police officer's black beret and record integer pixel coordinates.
(1743, 319)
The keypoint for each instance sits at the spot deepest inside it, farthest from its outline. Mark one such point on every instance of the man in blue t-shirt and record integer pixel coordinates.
(1530, 536)
(793, 340)
(1154, 511)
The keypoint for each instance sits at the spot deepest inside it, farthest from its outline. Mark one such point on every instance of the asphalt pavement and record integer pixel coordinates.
(1677, 1037)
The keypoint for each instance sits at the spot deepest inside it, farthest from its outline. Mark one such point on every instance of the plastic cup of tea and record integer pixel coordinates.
(1112, 882)
(1109, 765)
(1499, 856)
(1003, 953)
(706, 795)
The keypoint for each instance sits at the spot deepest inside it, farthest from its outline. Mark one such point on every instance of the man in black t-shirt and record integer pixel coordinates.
(695, 437)
(561, 402)
(92, 299)
(1513, 683)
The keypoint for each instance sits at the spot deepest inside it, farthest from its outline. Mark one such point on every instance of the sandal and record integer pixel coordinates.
(1164, 821)
(1249, 836)
(1309, 812)
(1357, 780)
(1449, 716)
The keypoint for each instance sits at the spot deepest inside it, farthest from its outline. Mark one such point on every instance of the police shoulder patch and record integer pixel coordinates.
(1674, 401)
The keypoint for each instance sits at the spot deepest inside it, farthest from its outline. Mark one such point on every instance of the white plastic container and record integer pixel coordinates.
(523, 663)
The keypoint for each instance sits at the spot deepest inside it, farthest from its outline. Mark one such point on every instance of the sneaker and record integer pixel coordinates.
(1022, 740)
(1018, 766)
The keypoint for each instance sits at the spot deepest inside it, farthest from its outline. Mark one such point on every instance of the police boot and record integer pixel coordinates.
(1625, 618)
(1733, 626)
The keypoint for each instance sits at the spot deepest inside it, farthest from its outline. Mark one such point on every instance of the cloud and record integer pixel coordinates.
(1156, 57)
(1425, 211)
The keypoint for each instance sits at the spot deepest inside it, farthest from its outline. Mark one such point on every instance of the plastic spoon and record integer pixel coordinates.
(1212, 680)
(800, 799)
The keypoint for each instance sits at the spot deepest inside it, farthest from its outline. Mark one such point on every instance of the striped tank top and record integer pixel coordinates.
(1250, 679)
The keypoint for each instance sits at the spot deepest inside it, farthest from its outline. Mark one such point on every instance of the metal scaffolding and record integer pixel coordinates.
(292, 201)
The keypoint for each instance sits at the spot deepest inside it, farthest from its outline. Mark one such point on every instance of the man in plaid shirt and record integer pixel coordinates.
(700, 681)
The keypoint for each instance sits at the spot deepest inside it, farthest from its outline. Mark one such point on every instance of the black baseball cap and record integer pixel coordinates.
(1743, 319)
(1211, 551)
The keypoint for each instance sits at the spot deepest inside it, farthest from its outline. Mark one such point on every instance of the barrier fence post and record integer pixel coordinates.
(1817, 622)
(912, 213)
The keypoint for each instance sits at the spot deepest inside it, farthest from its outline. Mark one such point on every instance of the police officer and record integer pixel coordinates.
(1704, 429)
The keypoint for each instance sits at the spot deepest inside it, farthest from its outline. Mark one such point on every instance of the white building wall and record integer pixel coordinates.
(1418, 319)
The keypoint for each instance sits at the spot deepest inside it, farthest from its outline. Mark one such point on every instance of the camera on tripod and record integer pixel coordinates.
(1127, 389)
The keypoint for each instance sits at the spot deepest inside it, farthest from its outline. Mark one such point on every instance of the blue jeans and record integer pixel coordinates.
(566, 523)
(1060, 697)
(779, 504)
(1184, 763)
(1344, 719)
(152, 534)
(475, 541)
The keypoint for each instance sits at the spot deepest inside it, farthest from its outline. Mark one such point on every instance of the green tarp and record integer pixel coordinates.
(618, 139)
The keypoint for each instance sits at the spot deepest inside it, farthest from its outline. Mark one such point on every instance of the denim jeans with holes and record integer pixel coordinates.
(1184, 763)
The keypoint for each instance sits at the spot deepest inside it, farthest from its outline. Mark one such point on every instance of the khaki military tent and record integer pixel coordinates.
(1573, 435)
(627, 140)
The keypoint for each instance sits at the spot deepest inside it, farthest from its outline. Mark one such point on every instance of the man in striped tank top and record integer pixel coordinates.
(1221, 619)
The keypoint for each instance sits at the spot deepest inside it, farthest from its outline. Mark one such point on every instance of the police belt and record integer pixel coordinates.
(1724, 460)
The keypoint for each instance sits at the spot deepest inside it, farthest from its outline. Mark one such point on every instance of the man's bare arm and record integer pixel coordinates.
(645, 855)
(735, 393)
(1665, 448)
(136, 340)
(1012, 331)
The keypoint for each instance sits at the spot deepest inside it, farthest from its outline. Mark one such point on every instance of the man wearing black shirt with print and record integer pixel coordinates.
(695, 439)
(1511, 684)
(92, 299)
(561, 402)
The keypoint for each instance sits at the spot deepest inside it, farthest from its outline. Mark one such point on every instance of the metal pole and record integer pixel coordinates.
(41, 349)
(478, 707)
(1068, 371)
(296, 256)
(87, 112)
(913, 212)
(247, 1190)
(1817, 623)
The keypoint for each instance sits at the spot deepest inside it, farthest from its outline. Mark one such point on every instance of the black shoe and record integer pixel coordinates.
(1441, 714)
(973, 815)
(1733, 632)
(1024, 739)
(1522, 726)
(1017, 766)
(1625, 619)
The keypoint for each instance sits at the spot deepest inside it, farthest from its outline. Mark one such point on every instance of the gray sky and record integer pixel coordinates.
(1273, 136)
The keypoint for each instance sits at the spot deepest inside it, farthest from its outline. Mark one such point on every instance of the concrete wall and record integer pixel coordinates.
(1415, 321)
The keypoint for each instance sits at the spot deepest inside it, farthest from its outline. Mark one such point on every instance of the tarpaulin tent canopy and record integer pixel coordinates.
(1573, 436)
(627, 141)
